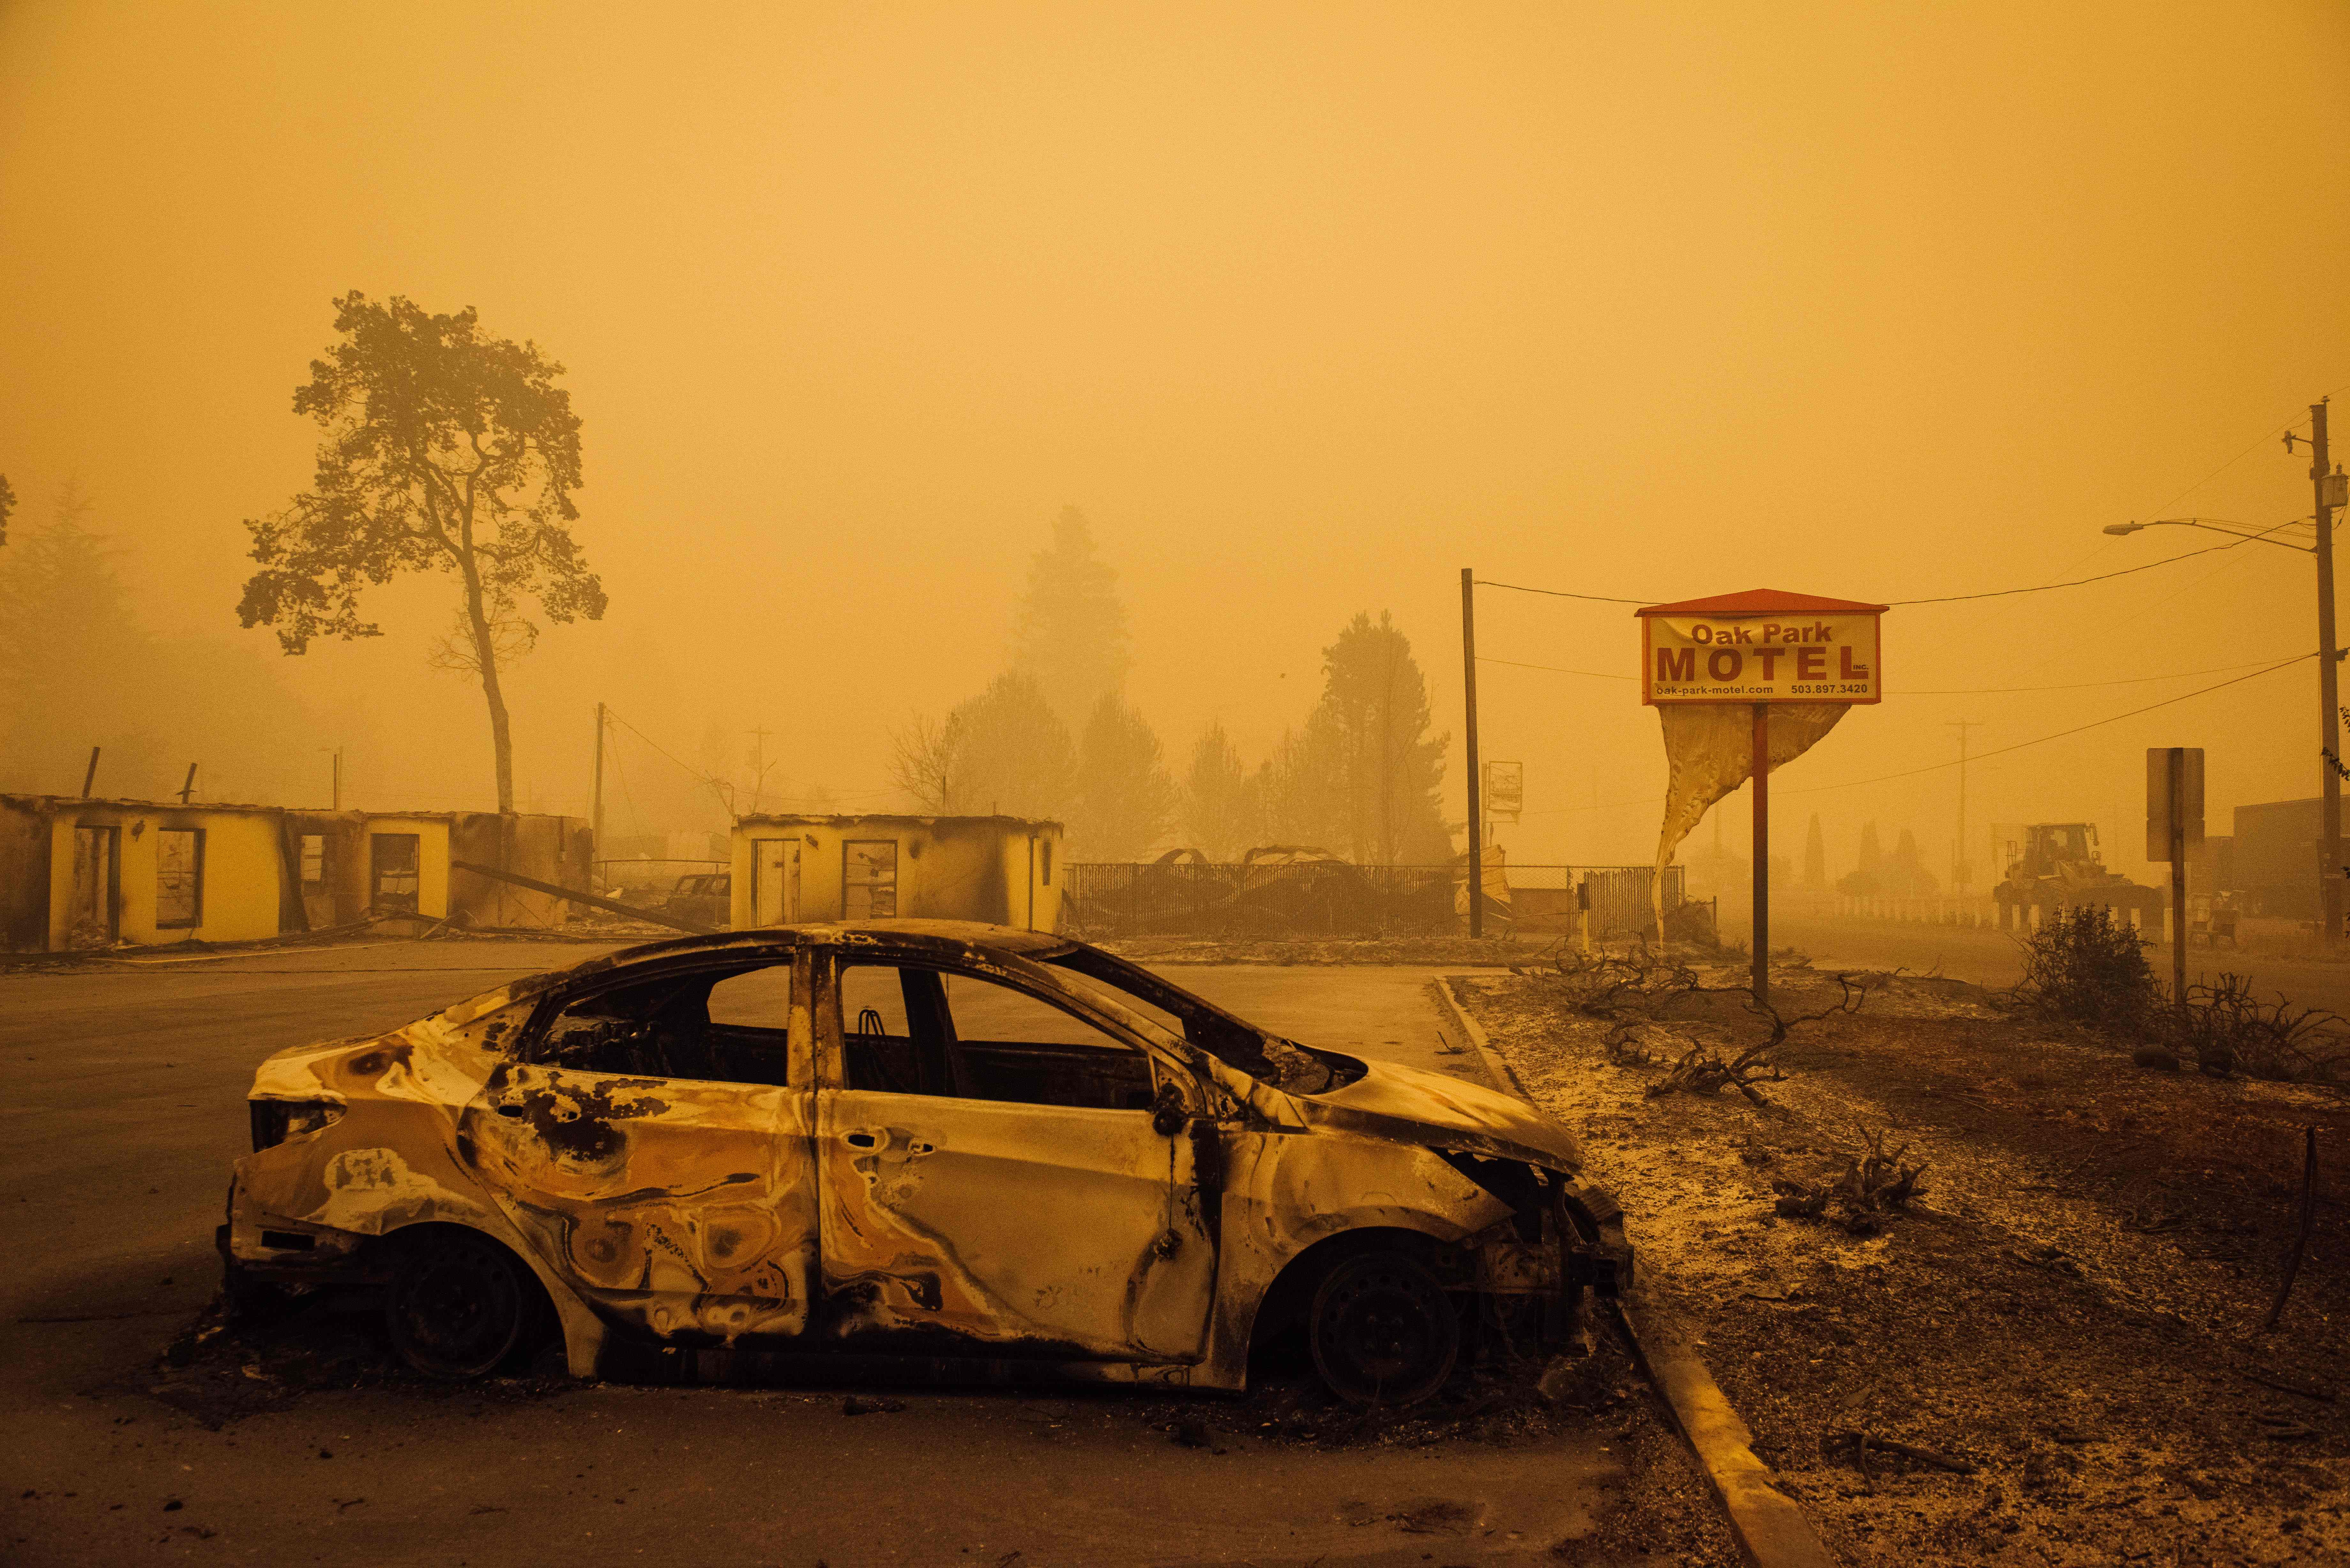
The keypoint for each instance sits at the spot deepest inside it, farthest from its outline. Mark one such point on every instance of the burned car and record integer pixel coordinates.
(948, 1150)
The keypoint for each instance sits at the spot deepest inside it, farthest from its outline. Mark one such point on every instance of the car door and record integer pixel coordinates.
(1011, 1195)
(652, 1143)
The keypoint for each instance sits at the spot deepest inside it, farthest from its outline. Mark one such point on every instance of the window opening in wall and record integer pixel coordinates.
(314, 861)
(869, 880)
(394, 879)
(180, 878)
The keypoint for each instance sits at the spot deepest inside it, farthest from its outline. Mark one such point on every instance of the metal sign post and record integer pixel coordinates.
(2174, 830)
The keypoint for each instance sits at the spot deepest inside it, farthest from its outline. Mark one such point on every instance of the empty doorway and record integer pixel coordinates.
(775, 881)
(95, 919)
(395, 875)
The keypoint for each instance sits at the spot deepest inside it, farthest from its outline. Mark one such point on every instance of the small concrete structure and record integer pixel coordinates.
(1004, 870)
(93, 873)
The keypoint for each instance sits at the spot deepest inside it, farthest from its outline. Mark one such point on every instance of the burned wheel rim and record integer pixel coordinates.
(1383, 1333)
(457, 1308)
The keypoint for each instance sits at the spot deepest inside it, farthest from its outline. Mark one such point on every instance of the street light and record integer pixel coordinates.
(2219, 525)
(2330, 489)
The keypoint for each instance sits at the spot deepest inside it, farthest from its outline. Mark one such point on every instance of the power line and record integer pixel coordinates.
(1937, 767)
(1936, 690)
(1562, 594)
(1945, 599)
(2083, 582)
(2043, 740)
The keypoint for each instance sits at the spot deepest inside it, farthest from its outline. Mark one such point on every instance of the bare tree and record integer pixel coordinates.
(922, 761)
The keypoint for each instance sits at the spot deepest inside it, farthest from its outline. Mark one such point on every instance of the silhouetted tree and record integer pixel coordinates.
(77, 669)
(7, 504)
(1006, 751)
(1815, 858)
(921, 763)
(1069, 634)
(448, 449)
(1217, 819)
(1125, 800)
(1375, 702)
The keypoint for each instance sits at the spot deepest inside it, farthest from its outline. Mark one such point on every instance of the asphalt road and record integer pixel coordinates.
(1994, 959)
(124, 1107)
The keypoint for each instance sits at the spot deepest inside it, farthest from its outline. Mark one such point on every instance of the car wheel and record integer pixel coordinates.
(1382, 1331)
(458, 1307)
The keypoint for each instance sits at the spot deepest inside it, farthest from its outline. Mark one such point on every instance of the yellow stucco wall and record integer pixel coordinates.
(949, 868)
(240, 882)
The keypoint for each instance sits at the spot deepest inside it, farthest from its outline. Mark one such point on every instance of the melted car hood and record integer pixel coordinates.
(1443, 1112)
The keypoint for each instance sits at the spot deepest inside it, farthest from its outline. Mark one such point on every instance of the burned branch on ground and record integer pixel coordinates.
(1703, 1071)
(1873, 1184)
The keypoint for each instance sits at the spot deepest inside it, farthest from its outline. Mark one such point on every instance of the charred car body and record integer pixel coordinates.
(960, 1151)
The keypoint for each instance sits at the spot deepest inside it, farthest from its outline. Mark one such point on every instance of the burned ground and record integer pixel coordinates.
(224, 1369)
(2067, 1314)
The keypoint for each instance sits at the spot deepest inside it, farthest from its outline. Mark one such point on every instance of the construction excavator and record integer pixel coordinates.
(2055, 866)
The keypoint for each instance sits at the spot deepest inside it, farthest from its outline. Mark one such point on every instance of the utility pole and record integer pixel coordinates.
(2329, 722)
(188, 788)
(1476, 783)
(1962, 873)
(595, 809)
(1762, 976)
(758, 768)
(90, 774)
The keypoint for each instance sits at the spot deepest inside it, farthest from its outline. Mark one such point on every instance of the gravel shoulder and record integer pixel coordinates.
(2069, 1310)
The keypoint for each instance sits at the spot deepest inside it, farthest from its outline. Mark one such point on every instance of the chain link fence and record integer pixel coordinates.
(1337, 899)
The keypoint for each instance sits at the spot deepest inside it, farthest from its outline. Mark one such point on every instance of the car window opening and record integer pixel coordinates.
(1286, 1066)
(721, 1026)
(918, 1031)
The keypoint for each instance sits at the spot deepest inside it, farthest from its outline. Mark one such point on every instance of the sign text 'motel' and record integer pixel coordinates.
(1761, 646)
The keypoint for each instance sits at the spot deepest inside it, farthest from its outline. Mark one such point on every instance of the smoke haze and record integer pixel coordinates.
(1303, 307)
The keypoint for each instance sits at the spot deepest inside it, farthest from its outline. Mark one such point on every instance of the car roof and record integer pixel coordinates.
(893, 933)
(943, 938)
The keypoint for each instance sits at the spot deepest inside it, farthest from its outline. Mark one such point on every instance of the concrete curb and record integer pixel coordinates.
(1769, 1527)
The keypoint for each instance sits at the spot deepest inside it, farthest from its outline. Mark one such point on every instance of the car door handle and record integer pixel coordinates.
(861, 1141)
(511, 1109)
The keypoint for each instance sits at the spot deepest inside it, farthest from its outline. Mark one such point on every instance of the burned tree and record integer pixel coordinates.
(447, 450)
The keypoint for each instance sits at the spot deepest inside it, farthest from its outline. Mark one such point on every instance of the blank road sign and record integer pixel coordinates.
(2166, 808)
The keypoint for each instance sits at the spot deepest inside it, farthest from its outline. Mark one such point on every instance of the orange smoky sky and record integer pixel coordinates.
(1306, 307)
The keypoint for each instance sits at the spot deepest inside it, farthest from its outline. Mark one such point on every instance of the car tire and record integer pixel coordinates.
(459, 1306)
(1382, 1330)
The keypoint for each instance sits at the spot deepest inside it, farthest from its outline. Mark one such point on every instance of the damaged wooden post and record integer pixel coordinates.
(90, 774)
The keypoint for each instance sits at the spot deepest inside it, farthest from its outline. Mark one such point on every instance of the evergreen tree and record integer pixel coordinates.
(78, 668)
(1299, 793)
(1217, 799)
(1008, 752)
(1815, 858)
(73, 657)
(1125, 801)
(1389, 769)
(1069, 631)
(1866, 879)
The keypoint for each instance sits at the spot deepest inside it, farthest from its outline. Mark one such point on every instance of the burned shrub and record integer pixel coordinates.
(2086, 966)
(1873, 1183)
(2224, 1028)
